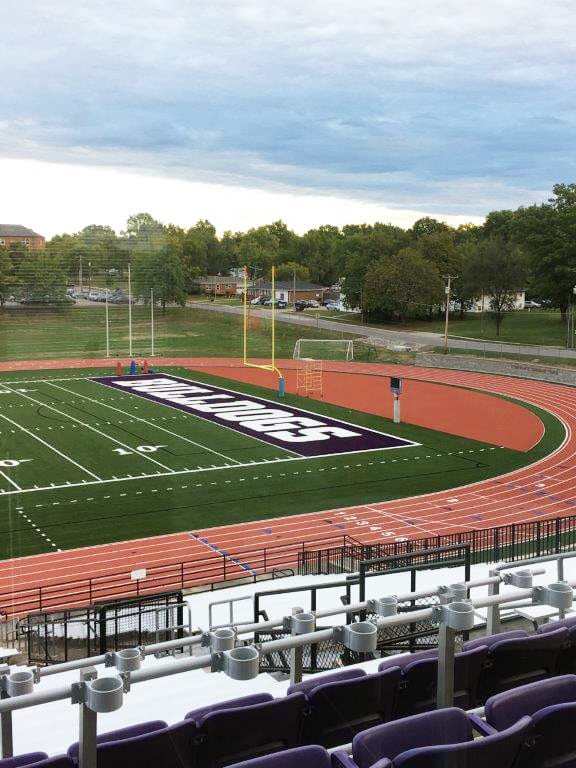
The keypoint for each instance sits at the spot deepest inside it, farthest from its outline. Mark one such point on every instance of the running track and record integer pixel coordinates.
(546, 489)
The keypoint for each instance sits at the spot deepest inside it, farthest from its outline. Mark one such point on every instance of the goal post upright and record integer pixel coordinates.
(266, 367)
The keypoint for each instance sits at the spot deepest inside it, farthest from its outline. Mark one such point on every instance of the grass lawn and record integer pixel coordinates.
(522, 327)
(42, 333)
(72, 472)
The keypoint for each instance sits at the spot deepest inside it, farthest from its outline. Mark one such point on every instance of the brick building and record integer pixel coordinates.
(16, 233)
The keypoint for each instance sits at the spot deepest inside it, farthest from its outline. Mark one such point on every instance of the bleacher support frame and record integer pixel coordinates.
(449, 617)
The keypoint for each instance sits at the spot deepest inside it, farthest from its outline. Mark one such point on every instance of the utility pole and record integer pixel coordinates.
(80, 274)
(294, 291)
(447, 289)
(570, 329)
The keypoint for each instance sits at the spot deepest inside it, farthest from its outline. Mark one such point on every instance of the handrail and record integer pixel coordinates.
(242, 663)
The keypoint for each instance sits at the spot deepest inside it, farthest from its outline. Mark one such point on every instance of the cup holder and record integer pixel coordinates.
(242, 663)
(20, 683)
(104, 694)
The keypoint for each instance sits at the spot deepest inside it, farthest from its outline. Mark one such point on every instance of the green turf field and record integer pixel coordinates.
(82, 464)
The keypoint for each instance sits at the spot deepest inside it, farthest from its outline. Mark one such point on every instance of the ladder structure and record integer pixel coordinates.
(309, 377)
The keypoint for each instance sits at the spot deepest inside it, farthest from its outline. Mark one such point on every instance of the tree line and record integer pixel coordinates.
(390, 273)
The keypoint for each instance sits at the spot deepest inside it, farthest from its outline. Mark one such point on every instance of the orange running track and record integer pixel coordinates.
(543, 490)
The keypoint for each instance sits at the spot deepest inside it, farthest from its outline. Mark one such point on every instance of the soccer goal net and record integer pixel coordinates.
(324, 349)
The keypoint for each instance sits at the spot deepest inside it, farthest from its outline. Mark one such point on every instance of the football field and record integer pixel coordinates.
(84, 463)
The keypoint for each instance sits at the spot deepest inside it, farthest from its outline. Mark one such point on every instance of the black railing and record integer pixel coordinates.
(487, 545)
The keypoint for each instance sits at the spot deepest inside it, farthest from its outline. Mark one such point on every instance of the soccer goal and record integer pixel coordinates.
(324, 349)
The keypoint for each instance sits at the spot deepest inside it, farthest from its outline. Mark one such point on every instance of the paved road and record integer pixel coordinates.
(414, 339)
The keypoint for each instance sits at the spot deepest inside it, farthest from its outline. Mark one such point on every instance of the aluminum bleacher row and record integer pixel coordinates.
(385, 719)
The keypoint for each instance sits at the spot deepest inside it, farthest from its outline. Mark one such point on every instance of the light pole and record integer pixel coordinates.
(570, 322)
(447, 288)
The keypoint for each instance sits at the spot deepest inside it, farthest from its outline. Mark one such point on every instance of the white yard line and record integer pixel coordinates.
(52, 448)
(87, 426)
(144, 421)
(156, 475)
(5, 476)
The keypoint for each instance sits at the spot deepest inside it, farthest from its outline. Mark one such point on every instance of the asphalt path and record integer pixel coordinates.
(415, 340)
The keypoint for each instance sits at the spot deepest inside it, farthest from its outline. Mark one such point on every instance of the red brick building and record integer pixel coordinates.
(16, 233)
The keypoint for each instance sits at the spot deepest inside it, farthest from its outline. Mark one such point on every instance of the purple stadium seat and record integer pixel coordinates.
(37, 760)
(244, 701)
(340, 710)
(439, 739)
(405, 659)
(490, 640)
(173, 747)
(567, 661)
(130, 732)
(234, 735)
(301, 757)
(28, 759)
(418, 688)
(552, 706)
(313, 682)
(520, 661)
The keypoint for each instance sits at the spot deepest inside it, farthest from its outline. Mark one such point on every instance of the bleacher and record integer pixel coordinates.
(513, 697)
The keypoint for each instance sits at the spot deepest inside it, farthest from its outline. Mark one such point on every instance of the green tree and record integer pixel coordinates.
(287, 271)
(6, 276)
(161, 271)
(320, 251)
(496, 268)
(402, 286)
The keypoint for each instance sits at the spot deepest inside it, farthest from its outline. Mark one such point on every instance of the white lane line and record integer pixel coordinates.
(88, 426)
(145, 421)
(52, 448)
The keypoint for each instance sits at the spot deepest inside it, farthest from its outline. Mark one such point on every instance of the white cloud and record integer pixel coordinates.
(54, 198)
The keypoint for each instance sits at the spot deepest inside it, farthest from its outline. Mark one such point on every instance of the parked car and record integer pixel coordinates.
(313, 304)
(332, 306)
(257, 300)
(532, 305)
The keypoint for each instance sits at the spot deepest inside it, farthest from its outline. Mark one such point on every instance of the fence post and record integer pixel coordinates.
(557, 546)
(538, 541)
(6, 735)
(445, 682)
(88, 719)
(182, 575)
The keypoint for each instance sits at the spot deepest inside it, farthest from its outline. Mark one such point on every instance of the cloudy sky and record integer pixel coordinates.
(312, 111)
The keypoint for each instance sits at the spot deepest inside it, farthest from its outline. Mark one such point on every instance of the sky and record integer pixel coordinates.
(314, 112)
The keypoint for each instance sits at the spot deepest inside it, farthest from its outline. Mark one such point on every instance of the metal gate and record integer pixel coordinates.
(61, 636)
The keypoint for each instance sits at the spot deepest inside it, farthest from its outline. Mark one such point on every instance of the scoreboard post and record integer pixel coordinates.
(396, 389)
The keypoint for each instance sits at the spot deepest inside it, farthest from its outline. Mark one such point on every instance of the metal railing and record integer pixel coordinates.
(209, 570)
(516, 541)
(241, 662)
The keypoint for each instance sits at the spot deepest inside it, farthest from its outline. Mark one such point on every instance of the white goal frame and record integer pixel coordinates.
(300, 352)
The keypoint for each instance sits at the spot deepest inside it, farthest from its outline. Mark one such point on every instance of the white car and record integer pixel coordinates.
(257, 300)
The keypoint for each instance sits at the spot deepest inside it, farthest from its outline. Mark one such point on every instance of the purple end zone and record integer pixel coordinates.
(301, 432)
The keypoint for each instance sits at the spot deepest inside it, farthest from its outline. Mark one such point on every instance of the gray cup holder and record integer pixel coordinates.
(222, 639)
(104, 694)
(242, 663)
(20, 683)
(458, 615)
(128, 660)
(302, 623)
(386, 606)
(361, 636)
(559, 595)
